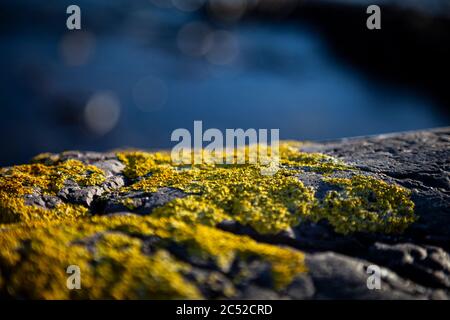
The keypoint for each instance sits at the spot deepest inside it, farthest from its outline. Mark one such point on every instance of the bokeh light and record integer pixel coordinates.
(102, 112)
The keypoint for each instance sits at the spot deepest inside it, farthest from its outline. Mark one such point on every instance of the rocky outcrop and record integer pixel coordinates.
(139, 227)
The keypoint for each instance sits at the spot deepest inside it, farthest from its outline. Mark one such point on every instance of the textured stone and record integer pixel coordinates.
(419, 161)
(139, 202)
(415, 264)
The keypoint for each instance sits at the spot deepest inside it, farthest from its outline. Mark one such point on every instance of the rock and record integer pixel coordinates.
(212, 249)
(111, 166)
(340, 277)
(43, 201)
(419, 161)
(257, 293)
(301, 288)
(429, 266)
(85, 195)
(78, 195)
(139, 202)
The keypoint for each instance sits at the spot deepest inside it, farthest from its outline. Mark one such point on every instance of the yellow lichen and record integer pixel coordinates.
(19, 181)
(109, 252)
(291, 157)
(140, 163)
(112, 251)
(366, 204)
(269, 204)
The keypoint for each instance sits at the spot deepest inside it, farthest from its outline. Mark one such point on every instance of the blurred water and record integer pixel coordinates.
(142, 78)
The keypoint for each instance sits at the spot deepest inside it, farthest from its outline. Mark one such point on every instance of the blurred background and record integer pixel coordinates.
(138, 69)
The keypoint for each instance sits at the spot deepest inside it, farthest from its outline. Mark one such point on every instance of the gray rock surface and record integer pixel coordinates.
(139, 202)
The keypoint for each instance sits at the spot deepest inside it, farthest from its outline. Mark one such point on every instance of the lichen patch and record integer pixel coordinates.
(175, 250)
